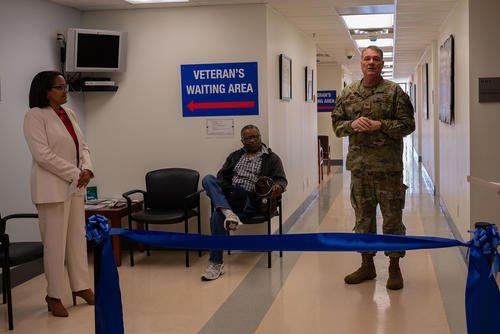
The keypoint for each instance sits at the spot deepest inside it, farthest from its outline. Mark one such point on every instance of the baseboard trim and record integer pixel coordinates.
(294, 217)
(453, 227)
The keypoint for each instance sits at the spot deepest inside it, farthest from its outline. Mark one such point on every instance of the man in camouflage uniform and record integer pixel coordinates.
(376, 114)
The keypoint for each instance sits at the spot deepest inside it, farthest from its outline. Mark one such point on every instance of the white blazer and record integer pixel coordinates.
(54, 172)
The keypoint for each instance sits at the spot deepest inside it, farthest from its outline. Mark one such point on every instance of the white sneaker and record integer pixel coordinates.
(212, 271)
(232, 222)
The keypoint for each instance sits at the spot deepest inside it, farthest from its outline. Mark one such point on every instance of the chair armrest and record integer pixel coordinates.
(135, 191)
(188, 197)
(127, 194)
(194, 194)
(3, 221)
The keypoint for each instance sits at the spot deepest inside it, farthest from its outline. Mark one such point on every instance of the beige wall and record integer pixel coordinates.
(140, 127)
(484, 117)
(27, 46)
(454, 157)
(427, 124)
(330, 78)
(292, 125)
(416, 135)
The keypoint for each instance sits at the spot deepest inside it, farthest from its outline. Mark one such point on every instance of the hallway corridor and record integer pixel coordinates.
(303, 292)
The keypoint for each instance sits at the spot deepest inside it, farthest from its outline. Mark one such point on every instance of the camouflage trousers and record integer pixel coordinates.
(386, 189)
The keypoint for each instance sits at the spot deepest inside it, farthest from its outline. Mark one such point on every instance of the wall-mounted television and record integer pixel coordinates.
(91, 50)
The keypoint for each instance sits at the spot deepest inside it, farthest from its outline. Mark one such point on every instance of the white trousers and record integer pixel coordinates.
(62, 227)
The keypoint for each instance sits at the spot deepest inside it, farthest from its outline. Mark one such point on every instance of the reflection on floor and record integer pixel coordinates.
(302, 293)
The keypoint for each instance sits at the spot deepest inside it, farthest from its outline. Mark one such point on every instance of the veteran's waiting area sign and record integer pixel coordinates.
(225, 89)
(326, 100)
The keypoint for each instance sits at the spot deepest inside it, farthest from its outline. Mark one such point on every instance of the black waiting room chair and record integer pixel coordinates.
(325, 153)
(171, 197)
(13, 254)
(267, 217)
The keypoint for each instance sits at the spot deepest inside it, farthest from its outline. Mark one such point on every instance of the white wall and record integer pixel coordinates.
(484, 117)
(140, 127)
(330, 78)
(28, 45)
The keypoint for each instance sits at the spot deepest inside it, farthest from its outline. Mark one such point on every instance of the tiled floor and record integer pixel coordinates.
(302, 293)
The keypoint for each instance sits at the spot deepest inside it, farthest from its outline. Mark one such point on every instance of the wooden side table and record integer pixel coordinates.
(115, 216)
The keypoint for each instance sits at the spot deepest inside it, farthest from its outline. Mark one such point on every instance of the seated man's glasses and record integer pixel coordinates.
(250, 138)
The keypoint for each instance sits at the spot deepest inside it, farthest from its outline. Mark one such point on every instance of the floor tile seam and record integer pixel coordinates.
(245, 285)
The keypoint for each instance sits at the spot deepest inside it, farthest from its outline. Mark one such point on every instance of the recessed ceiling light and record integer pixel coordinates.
(137, 2)
(371, 21)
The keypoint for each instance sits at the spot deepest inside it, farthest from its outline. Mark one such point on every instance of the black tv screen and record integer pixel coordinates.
(97, 51)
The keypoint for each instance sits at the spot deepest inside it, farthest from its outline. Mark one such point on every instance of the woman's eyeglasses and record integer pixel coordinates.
(61, 87)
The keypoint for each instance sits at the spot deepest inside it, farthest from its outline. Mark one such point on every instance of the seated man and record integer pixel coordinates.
(232, 192)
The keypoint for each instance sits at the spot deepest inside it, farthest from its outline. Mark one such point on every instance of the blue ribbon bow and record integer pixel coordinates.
(97, 229)
(482, 297)
(486, 240)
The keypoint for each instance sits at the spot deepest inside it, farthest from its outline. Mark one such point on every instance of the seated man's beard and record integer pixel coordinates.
(252, 148)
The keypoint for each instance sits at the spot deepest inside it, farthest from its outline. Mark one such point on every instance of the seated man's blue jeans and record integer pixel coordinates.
(219, 201)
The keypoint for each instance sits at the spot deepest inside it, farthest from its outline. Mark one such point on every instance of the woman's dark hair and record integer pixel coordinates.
(40, 85)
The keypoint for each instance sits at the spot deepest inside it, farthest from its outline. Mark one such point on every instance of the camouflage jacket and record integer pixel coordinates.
(380, 150)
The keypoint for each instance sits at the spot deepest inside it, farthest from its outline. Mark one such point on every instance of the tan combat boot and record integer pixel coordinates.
(364, 273)
(395, 280)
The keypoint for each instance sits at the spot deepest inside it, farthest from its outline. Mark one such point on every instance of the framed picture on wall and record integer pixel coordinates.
(425, 91)
(285, 78)
(309, 75)
(446, 81)
(414, 97)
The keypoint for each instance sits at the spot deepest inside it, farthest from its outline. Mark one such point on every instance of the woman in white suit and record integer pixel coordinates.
(60, 172)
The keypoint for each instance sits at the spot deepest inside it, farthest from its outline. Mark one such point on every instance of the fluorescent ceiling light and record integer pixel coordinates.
(138, 2)
(376, 31)
(381, 42)
(371, 21)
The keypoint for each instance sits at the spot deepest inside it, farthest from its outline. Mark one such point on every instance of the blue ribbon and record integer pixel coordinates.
(337, 242)
(482, 297)
(108, 307)
(482, 294)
